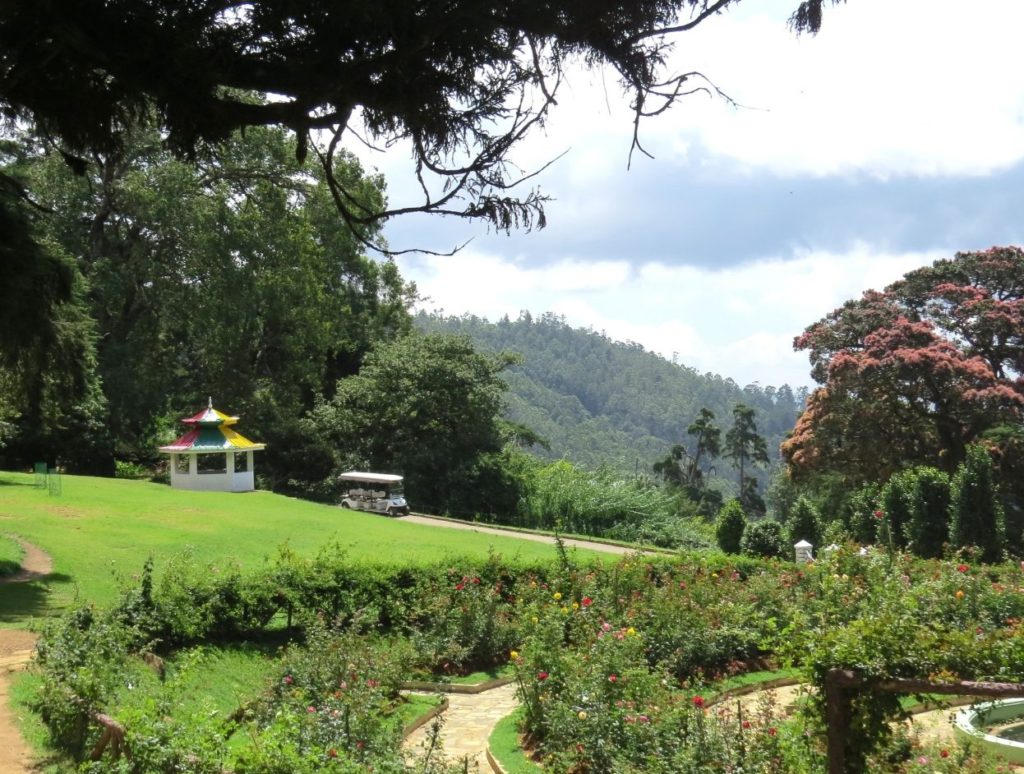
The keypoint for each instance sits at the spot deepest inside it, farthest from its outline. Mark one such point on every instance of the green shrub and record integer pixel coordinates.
(764, 539)
(928, 527)
(803, 523)
(897, 502)
(976, 514)
(732, 522)
(858, 512)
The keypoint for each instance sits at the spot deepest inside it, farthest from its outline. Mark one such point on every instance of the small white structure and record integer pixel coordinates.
(803, 552)
(212, 456)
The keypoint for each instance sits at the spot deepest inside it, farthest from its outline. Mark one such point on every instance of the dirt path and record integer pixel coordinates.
(16, 647)
(574, 542)
(36, 563)
(468, 723)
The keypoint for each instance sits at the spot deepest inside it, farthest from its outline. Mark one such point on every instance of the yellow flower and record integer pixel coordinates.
(631, 631)
(582, 715)
(565, 611)
(960, 594)
(514, 655)
(575, 605)
(535, 619)
(557, 595)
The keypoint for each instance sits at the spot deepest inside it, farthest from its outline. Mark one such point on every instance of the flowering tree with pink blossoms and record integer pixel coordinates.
(914, 374)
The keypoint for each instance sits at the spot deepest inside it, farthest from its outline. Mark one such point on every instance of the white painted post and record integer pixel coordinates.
(803, 552)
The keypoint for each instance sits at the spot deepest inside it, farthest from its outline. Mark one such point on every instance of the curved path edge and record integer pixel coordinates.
(35, 565)
(16, 649)
(608, 548)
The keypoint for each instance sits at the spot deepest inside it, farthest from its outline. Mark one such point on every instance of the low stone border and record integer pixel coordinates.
(493, 763)
(422, 720)
(423, 685)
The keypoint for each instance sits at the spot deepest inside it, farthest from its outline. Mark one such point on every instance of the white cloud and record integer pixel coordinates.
(739, 322)
(909, 87)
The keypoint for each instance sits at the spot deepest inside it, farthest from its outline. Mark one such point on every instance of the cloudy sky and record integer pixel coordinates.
(893, 138)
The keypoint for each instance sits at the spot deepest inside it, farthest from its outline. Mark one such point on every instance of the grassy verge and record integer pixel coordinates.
(24, 686)
(474, 678)
(504, 744)
(10, 556)
(754, 679)
(100, 530)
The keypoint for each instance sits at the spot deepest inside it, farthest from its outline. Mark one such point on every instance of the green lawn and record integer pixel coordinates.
(101, 529)
(10, 556)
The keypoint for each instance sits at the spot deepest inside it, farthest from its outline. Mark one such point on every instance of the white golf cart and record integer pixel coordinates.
(375, 492)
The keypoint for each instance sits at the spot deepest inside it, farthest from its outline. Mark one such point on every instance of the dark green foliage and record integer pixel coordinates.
(928, 528)
(764, 539)
(732, 523)
(897, 502)
(427, 407)
(562, 496)
(803, 524)
(976, 515)
(859, 510)
(241, 284)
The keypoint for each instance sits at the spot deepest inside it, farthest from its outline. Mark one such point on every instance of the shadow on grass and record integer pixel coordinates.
(21, 602)
(8, 567)
(8, 482)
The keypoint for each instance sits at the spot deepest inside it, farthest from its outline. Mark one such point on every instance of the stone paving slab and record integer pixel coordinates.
(468, 724)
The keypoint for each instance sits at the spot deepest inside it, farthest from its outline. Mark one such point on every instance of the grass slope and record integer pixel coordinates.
(99, 529)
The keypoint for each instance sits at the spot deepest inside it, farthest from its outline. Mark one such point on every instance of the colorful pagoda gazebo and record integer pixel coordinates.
(211, 456)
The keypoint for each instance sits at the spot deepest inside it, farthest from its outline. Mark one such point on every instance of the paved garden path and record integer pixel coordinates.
(468, 723)
(591, 545)
(16, 647)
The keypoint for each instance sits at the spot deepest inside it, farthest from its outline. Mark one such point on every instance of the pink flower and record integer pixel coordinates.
(311, 708)
(613, 679)
(962, 568)
(773, 731)
(542, 675)
(288, 680)
(372, 683)
(698, 701)
(586, 601)
(460, 586)
(879, 515)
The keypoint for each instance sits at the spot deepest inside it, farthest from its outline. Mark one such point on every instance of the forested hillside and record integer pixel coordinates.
(597, 401)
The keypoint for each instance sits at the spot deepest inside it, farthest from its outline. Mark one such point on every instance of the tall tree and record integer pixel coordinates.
(686, 471)
(427, 407)
(231, 277)
(746, 448)
(914, 374)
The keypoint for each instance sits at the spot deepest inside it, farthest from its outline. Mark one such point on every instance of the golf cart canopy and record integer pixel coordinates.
(372, 478)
